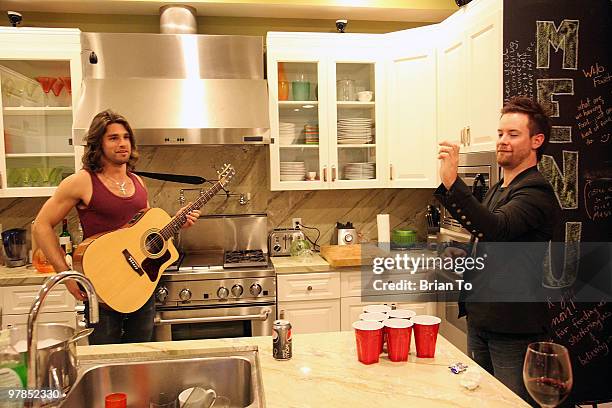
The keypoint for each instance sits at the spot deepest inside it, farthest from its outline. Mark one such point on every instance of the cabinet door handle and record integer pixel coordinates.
(468, 136)
(333, 173)
(390, 171)
(463, 136)
(324, 173)
(309, 288)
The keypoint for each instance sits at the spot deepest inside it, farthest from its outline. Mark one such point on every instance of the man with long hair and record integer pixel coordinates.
(504, 312)
(106, 195)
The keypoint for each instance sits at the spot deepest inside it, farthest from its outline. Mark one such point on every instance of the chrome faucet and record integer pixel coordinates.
(35, 309)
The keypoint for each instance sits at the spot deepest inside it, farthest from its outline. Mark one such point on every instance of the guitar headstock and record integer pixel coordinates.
(226, 174)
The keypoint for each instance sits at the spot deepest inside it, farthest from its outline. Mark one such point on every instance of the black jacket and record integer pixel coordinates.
(504, 294)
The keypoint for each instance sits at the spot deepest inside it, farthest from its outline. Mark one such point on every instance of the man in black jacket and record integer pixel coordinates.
(503, 312)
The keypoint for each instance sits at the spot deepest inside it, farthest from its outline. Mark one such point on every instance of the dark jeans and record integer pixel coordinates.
(116, 327)
(502, 355)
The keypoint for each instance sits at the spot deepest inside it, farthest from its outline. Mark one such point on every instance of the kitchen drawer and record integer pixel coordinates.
(308, 286)
(67, 318)
(350, 282)
(313, 316)
(19, 299)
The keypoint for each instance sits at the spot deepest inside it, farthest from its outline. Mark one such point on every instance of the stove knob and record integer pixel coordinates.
(255, 289)
(161, 294)
(237, 290)
(222, 293)
(185, 295)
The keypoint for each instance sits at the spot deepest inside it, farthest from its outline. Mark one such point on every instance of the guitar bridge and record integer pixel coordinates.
(132, 262)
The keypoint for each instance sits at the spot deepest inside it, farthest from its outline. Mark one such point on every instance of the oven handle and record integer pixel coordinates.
(262, 316)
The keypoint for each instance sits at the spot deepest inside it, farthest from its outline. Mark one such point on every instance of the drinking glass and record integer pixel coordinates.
(346, 90)
(163, 400)
(547, 373)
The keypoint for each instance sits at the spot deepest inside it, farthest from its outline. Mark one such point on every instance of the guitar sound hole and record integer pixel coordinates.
(154, 243)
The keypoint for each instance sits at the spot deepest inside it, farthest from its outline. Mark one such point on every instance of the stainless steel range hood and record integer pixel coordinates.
(176, 88)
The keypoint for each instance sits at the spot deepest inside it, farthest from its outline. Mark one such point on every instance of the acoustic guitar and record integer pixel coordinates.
(125, 265)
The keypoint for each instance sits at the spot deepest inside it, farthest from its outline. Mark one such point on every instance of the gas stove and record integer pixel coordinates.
(223, 261)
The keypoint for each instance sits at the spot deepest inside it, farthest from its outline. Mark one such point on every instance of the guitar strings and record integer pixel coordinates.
(183, 215)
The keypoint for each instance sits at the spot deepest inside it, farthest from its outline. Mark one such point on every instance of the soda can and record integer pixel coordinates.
(281, 340)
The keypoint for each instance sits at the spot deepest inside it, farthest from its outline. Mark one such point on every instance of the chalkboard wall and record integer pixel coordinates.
(559, 52)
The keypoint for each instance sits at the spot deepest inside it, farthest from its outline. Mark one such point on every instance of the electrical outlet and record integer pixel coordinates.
(296, 223)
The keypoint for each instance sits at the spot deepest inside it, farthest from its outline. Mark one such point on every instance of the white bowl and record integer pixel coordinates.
(365, 96)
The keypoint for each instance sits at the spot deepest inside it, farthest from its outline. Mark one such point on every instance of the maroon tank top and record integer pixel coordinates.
(107, 211)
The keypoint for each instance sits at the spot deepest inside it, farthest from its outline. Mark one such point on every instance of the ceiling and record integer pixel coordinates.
(373, 10)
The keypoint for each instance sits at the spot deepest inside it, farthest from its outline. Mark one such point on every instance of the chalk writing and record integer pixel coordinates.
(594, 118)
(564, 184)
(519, 77)
(574, 326)
(598, 199)
(564, 37)
(571, 260)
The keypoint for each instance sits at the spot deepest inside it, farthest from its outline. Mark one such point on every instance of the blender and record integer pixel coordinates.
(15, 247)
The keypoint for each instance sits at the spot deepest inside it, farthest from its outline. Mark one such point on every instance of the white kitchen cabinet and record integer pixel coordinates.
(411, 116)
(313, 316)
(485, 74)
(318, 124)
(469, 93)
(308, 286)
(66, 318)
(40, 78)
(16, 301)
(351, 302)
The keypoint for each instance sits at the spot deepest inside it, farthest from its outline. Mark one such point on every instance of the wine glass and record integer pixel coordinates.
(547, 373)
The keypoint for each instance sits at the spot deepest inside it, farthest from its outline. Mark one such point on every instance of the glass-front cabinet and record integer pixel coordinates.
(324, 114)
(354, 124)
(40, 78)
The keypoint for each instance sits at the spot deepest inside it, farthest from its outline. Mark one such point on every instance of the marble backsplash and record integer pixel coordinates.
(319, 209)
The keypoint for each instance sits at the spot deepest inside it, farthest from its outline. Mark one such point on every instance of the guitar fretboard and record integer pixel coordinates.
(177, 221)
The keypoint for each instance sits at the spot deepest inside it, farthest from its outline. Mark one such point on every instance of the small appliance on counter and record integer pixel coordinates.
(15, 247)
(403, 238)
(280, 240)
(344, 234)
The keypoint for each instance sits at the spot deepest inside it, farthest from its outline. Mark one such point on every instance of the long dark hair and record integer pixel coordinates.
(93, 149)
(539, 121)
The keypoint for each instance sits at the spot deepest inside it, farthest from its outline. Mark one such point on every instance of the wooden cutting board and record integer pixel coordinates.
(349, 255)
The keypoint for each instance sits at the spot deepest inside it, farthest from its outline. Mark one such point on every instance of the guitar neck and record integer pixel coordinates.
(179, 219)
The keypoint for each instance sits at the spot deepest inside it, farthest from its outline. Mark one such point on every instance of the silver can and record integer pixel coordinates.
(281, 340)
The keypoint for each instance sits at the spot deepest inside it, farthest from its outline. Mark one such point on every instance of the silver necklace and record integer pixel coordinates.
(120, 186)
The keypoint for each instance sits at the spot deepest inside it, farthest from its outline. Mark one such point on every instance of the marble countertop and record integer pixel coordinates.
(324, 372)
(297, 264)
(22, 275)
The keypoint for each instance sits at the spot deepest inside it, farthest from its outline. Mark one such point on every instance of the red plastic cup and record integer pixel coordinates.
(401, 314)
(399, 332)
(116, 400)
(425, 335)
(376, 317)
(376, 309)
(369, 338)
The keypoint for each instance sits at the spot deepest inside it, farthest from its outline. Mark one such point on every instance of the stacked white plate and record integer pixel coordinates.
(355, 131)
(359, 171)
(287, 133)
(292, 171)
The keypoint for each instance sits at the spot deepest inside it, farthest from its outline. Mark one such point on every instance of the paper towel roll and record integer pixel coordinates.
(382, 222)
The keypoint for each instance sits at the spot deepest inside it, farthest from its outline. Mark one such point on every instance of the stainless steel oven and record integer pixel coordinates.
(216, 322)
(224, 284)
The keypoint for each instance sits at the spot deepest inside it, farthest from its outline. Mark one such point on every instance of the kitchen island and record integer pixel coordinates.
(22, 275)
(324, 372)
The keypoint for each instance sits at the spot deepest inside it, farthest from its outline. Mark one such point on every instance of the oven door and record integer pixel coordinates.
(214, 322)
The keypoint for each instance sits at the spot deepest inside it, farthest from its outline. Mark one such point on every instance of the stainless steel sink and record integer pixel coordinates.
(235, 375)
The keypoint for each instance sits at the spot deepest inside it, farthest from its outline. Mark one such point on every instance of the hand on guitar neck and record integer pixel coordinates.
(190, 217)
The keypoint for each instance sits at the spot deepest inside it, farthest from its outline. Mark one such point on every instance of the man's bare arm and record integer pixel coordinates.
(66, 197)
